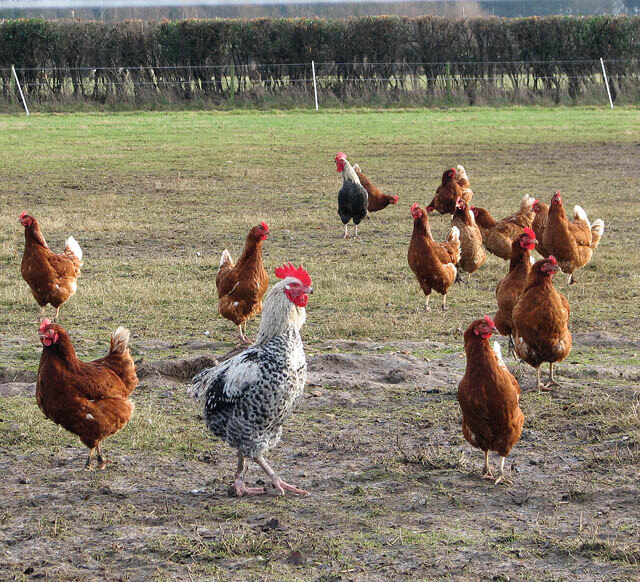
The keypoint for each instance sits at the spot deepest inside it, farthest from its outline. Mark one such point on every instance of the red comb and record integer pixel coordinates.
(45, 323)
(414, 206)
(288, 270)
(24, 213)
(529, 232)
(340, 155)
(553, 260)
(264, 226)
(489, 321)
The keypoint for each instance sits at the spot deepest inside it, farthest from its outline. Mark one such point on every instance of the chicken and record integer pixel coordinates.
(89, 399)
(571, 242)
(538, 225)
(449, 191)
(463, 182)
(434, 264)
(489, 397)
(377, 200)
(241, 287)
(52, 277)
(352, 198)
(497, 236)
(472, 253)
(541, 321)
(248, 397)
(510, 288)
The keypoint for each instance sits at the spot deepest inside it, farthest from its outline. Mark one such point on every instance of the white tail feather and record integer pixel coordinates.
(120, 340)
(598, 227)
(356, 167)
(74, 247)
(498, 350)
(463, 174)
(226, 258)
(580, 214)
(454, 234)
(527, 203)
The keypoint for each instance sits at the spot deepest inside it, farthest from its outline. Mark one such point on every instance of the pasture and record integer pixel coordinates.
(396, 494)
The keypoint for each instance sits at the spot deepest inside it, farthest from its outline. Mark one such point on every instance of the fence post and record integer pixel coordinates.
(232, 84)
(606, 82)
(315, 87)
(447, 81)
(24, 101)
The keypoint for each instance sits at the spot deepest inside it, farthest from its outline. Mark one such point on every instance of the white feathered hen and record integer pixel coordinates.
(248, 397)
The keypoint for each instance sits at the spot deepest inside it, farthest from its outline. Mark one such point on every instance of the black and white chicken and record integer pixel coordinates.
(352, 198)
(248, 397)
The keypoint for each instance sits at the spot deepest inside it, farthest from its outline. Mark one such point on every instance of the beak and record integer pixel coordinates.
(310, 290)
(494, 329)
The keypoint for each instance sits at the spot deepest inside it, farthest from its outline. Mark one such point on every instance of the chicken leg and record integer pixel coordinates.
(502, 478)
(346, 231)
(278, 484)
(552, 380)
(539, 385)
(486, 470)
(238, 484)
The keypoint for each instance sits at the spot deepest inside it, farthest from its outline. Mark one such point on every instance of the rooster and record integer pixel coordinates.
(434, 264)
(571, 242)
(540, 319)
(509, 289)
(89, 399)
(51, 277)
(454, 185)
(377, 200)
(352, 198)
(472, 253)
(241, 287)
(497, 236)
(248, 397)
(489, 397)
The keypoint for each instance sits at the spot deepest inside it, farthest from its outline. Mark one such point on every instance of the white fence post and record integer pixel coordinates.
(24, 101)
(315, 87)
(606, 82)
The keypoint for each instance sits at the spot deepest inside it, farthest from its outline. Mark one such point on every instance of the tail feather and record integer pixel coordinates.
(226, 259)
(580, 214)
(462, 172)
(356, 167)
(498, 351)
(454, 234)
(119, 340)
(597, 230)
(526, 204)
(72, 247)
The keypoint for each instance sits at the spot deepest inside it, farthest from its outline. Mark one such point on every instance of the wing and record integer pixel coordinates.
(225, 384)
(62, 266)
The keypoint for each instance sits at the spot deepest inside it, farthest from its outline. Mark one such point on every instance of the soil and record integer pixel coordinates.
(396, 492)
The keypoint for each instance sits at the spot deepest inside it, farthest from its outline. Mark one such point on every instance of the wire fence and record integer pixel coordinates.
(335, 83)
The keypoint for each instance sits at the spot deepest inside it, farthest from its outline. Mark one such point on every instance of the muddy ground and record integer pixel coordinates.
(396, 492)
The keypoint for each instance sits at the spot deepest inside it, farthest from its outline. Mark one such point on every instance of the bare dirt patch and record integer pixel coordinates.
(396, 492)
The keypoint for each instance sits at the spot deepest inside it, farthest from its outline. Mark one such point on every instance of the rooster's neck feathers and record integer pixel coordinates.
(279, 314)
(348, 173)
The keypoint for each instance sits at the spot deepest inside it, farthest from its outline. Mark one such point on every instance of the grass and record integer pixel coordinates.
(143, 193)
(396, 492)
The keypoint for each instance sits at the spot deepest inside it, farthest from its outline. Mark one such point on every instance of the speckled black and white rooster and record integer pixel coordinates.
(248, 397)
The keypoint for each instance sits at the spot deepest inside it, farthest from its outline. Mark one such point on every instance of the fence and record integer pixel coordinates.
(335, 83)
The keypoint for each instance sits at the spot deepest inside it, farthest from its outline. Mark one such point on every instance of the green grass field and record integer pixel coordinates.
(143, 193)
(154, 198)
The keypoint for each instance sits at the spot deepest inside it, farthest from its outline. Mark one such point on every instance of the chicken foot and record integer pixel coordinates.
(486, 470)
(102, 462)
(238, 484)
(346, 231)
(278, 484)
(244, 340)
(539, 385)
(552, 380)
(502, 477)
